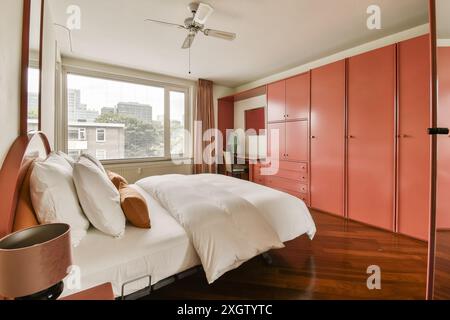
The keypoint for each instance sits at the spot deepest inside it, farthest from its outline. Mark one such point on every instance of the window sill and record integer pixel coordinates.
(148, 161)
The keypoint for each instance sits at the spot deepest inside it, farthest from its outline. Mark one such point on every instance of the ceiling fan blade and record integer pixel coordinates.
(220, 34)
(188, 42)
(166, 23)
(204, 11)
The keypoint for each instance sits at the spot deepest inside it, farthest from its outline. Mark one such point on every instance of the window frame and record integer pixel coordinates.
(97, 130)
(189, 92)
(80, 138)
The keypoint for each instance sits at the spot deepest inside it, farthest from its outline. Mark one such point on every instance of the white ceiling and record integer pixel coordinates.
(273, 35)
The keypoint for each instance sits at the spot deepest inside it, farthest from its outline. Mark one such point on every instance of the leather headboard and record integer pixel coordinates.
(25, 215)
(15, 169)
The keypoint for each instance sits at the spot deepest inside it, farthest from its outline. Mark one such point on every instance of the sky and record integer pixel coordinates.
(98, 93)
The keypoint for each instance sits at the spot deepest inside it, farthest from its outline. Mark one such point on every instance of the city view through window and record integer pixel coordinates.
(120, 120)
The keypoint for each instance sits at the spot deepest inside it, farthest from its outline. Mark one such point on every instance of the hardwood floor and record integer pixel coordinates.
(442, 266)
(332, 266)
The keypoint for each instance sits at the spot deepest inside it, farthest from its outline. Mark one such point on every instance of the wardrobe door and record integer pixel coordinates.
(371, 154)
(328, 138)
(225, 116)
(443, 179)
(297, 138)
(273, 129)
(413, 140)
(298, 97)
(276, 101)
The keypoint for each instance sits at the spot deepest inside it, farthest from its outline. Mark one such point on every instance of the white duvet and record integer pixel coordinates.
(229, 221)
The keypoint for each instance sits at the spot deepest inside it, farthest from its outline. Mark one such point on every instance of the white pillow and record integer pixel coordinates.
(99, 198)
(95, 161)
(54, 196)
(55, 158)
(67, 158)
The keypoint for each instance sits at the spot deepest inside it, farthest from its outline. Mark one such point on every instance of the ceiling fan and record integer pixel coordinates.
(195, 24)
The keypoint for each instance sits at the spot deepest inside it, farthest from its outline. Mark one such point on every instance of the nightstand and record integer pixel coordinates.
(103, 292)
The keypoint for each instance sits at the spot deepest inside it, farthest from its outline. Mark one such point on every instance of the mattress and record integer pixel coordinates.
(163, 251)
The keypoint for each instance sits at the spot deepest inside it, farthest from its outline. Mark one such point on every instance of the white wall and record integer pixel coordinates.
(10, 63)
(48, 76)
(241, 106)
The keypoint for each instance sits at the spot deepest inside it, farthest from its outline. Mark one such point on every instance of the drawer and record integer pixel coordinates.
(293, 175)
(291, 166)
(286, 184)
(302, 196)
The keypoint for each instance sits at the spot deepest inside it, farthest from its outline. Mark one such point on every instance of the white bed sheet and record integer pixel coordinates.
(288, 215)
(163, 251)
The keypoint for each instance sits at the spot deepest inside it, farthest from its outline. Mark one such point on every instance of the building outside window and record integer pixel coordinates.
(82, 134)
(100, 154)
(114, 146)
(126, 120)
(75, 154)
(77, 134)
(101, 135)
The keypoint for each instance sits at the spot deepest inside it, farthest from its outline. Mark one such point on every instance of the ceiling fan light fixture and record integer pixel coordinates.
(202, 13)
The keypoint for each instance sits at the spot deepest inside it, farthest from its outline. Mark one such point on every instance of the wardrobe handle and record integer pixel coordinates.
(313, 137)
(438, 131)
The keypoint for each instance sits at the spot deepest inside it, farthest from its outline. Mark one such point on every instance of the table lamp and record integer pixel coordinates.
(34, 262)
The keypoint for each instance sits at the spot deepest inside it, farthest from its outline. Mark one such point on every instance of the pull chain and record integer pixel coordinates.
(189, 59)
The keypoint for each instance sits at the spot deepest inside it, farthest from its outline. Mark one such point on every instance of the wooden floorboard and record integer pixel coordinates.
(442, 266)
(332, 266)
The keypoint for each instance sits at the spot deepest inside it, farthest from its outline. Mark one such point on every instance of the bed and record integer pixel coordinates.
(162, 252)
(189, 215)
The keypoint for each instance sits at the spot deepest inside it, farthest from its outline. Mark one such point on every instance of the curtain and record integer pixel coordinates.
(204, 117)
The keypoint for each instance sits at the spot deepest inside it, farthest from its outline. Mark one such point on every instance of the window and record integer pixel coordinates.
(100, 154)
(33, 99)
(82, 134)
(101, 135)
(73, 134)
(77, 134)
(131, 120)
(177, 123)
